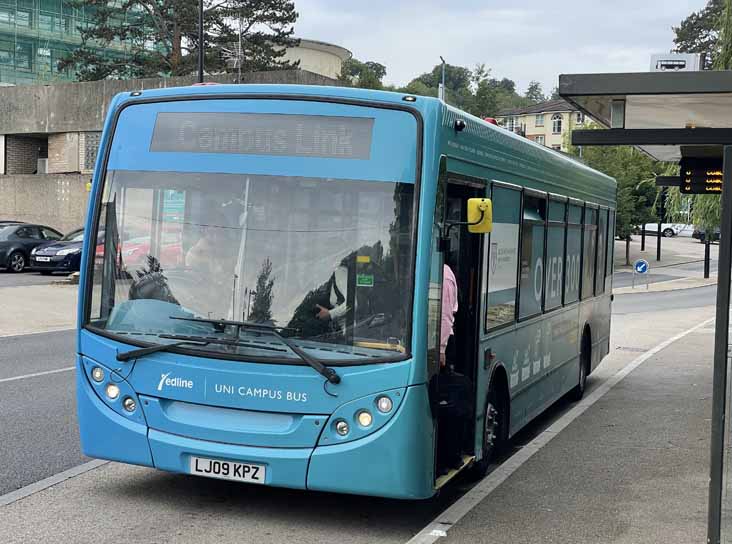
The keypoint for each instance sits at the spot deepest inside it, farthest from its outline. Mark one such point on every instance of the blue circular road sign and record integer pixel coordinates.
(641, 266)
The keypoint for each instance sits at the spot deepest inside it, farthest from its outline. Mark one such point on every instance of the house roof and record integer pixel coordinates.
(541, 107)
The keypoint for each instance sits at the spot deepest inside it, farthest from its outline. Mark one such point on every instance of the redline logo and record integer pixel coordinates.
(174, 382)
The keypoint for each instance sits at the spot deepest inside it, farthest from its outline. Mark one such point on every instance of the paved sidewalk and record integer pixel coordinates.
(668, 285)
(632, 469)
(37, 308)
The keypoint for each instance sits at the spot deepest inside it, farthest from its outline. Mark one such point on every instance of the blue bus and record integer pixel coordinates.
(264, 305)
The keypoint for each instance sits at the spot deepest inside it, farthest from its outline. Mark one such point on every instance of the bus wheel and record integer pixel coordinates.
(578, 392)
(495, 427)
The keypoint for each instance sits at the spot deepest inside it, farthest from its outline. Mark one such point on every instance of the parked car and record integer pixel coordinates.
(668, 229)
(17, 240)
(60, 255)
(701, 236)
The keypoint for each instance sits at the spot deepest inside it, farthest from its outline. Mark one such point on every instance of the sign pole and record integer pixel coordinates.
(721, 343)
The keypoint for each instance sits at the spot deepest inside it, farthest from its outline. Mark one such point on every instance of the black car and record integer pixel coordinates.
(63, 255)
(18, 240)
(701, 235)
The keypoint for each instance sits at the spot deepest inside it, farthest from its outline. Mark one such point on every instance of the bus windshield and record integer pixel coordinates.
(328, 260)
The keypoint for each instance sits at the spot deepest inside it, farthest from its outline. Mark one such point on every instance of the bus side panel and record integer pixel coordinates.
(397, 461)
(596, 314)
(541, 357)
(104, 433)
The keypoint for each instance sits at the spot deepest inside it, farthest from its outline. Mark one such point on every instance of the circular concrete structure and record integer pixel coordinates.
(319, 57)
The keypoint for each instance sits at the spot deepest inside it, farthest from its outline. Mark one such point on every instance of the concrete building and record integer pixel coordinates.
(49, 136)
(546, 123)
(319, 57)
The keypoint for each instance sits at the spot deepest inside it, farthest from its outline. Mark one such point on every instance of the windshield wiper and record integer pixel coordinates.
(221, 324)
(141, 352)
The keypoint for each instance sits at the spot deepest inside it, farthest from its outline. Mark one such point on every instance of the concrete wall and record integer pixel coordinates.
(82, 107)
(56, 200)
(63, 152)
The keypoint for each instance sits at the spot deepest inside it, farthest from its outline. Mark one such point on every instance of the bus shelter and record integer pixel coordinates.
(683, 117)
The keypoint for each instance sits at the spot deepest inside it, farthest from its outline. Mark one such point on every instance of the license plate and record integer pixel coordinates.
(227, 470)
(43, 259)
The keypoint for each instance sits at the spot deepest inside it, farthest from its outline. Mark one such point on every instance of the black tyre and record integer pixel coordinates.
(578, 392)
(495, 428)
(16, 262)
(669, 233)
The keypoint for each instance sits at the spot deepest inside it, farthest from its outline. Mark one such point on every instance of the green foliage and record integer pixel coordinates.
(473, 91)
(724, 60)
(635, 173)
(162, 36)
(700, 32)
(262, 306)
(366, 75)
(534, 93)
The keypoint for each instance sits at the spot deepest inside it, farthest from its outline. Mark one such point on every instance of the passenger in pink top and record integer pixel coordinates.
(449, 307)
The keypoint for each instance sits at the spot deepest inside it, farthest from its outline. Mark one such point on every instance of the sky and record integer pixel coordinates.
(523, 40)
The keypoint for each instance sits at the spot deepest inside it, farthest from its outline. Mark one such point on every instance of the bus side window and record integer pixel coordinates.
(589, 251)
(573, 255)
(503, 257)
(555, 254)
(533, 231)
(601, 252)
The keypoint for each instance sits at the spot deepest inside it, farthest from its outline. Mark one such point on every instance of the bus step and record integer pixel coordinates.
(442, 480)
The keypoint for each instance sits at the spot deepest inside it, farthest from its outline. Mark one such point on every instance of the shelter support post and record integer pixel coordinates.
(643, 238)
(721, 342)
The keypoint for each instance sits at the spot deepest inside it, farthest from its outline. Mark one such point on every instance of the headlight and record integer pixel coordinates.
(68, 251)
(112, 391)
(33, 251)
(384, 404)
(341, 427)
(364, 419)
(128, 252)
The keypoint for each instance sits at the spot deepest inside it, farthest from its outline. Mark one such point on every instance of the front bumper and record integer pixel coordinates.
(55, 263)
(396, 461)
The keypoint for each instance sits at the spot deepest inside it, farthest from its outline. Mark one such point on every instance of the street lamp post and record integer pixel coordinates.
(441, 92)
(201, 38)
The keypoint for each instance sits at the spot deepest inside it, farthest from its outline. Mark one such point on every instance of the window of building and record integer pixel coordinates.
(533, 231)
(574, 254)
(557, 123)
(24, 56)
(540, 140)
(511, 123)
(539, 120)
(557, 147)
(7, 15)
(601, 251)
(555, 238)
(589, 252)
(6, 52)
(503, 257)
(579, 117)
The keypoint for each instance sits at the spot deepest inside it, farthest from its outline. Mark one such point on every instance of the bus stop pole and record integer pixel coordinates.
(721, 340)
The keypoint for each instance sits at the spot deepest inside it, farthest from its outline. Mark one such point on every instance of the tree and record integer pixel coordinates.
(367, 75)
(699, 32)
(635, 173)
(162, 36)
(262, 306)
(555, 94)
(534, 92)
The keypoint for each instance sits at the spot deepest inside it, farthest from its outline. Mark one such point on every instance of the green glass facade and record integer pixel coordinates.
(35, 35)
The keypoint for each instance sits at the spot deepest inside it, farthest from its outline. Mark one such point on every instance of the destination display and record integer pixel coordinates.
(263, 134)
(701, 175)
